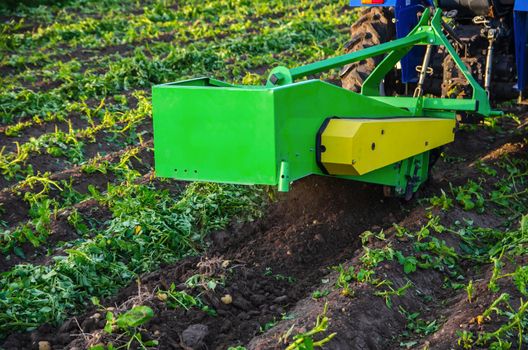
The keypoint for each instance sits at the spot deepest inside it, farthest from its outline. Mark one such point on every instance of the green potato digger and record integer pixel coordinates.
(294, 126)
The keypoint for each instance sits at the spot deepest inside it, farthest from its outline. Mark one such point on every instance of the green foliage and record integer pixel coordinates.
(373, 257)
(388, 293)
(465, 339)
(409, 262)
(135, 317)
(318, 294)
(12, 4)
(470, 290)
(417, 325)
(180, 299)
(306, 341)
(129, 323)
(278, 276)
(470, 196)
(520, 278)
(442, 201)
(148, 228)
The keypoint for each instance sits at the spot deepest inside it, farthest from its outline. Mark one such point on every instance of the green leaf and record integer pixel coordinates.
(135, 317)
(19, 252)
(211, 284)
(45, 309)
(95, 301)
(409, 266)
(108, 328)
(97, 347)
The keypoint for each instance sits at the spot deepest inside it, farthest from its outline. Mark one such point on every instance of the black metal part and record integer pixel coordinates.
(493, 68)
(468, 118)
(319, 148)
(467, 7)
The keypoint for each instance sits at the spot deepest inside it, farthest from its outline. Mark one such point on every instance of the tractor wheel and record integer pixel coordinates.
(373, 27)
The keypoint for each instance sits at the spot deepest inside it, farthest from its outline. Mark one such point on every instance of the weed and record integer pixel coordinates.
(470, 290)
(470, 196)
(318, 294)
(306, 341)
(387, 294)
(176, 299)
(129, 324)
(417, 325)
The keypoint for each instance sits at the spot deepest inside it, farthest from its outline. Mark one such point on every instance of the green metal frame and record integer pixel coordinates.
(427, 32)
(208, 130)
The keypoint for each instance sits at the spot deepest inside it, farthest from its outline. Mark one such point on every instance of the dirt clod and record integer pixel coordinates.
(194, 336)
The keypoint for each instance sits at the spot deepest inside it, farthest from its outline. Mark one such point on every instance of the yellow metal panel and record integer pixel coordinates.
(358, 146)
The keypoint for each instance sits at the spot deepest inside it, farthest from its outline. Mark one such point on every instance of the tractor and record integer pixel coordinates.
(491, 37)
(412, 71)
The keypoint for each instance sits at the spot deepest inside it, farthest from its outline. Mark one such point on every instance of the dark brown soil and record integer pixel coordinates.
(273, 266)
(276, 263)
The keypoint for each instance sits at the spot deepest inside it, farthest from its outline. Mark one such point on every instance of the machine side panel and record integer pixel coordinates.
(206, 133)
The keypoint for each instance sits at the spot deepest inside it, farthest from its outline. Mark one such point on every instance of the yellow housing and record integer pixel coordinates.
(359, 146)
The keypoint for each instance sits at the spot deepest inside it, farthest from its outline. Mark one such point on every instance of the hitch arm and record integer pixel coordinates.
(428, 31)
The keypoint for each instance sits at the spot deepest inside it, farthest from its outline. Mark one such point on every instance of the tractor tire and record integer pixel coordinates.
(373, 27)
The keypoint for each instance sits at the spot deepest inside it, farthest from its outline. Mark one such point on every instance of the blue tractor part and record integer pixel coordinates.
(406, 17)
(520, 21)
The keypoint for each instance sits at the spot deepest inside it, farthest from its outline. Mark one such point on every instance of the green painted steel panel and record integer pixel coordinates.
(211, 133)
(301, 109)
